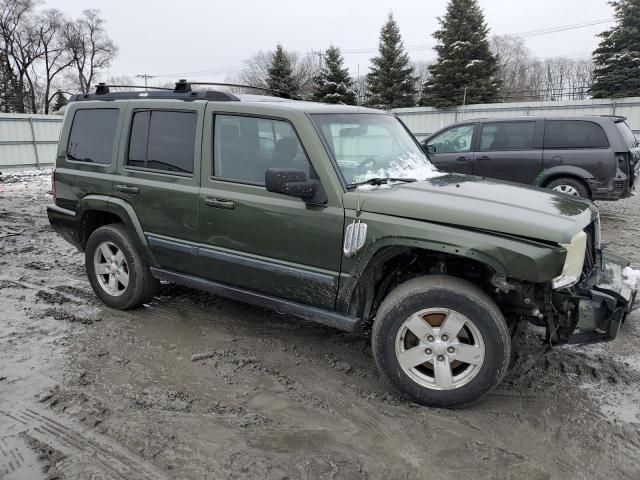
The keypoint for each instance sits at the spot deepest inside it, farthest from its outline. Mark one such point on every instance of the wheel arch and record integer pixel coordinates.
(392, 265)
(572, 172)
(97, 210)
(399, 259)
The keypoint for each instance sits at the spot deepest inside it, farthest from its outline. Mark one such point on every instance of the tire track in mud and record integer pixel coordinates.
(354, 411)
(84, 454)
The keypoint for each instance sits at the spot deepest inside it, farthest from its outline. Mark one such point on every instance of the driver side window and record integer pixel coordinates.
(455, 140)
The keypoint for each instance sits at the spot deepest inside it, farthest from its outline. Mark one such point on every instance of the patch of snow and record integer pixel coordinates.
(472, 63)
(407, 165)
(459, 44)
(631, 276)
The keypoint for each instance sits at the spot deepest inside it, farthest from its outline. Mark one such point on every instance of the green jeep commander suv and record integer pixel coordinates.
(333, 214)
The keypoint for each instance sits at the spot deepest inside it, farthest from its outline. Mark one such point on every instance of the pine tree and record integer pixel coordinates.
(617, 58)
(334, 84)
(60, 102)
(391, 82)
(466, 70)
(280, 76)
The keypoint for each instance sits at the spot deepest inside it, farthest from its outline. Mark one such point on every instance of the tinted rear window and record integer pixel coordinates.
(627, 134)
(93, 134)
(507, 136)
(574, 134)
(163, 140)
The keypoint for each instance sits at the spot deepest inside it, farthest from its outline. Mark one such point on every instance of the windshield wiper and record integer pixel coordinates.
(380, 181)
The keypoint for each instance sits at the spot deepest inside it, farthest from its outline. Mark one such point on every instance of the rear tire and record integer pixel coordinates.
(118, 274)
(570, 186)
(441, 340)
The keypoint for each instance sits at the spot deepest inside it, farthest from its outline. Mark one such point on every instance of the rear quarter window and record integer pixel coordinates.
(574, 134)
(93, 133)
(627, 134)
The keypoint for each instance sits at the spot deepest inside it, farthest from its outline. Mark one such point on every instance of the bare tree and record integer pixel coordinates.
(526, 78)
(56, 57)
(421, 74)
(304, 66)
(90, 47)
(22, 49)
(514, 58)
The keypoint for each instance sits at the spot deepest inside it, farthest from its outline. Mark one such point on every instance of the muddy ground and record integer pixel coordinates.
(88, 392)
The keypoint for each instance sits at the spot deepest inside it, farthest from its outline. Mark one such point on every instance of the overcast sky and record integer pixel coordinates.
(187, 36)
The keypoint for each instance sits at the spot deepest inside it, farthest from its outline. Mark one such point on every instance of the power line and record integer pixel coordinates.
(411, 48)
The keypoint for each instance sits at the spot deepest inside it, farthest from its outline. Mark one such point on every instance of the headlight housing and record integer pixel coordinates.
(574, 262)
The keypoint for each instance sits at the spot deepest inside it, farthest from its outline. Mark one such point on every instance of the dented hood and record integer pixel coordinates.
(483, 204)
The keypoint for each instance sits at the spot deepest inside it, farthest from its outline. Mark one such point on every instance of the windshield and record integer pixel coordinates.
(367, 146)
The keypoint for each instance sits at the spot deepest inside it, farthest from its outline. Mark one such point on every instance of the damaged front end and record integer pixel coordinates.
(586, 303)
(593, 308)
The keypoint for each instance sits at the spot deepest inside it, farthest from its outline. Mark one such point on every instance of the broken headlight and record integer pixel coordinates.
(573, 263)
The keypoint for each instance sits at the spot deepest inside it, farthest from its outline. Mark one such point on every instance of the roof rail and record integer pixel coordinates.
(181, 91)
(278, 93)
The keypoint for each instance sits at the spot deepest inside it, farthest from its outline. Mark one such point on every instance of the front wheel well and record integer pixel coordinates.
(92, 220)
(395, 265)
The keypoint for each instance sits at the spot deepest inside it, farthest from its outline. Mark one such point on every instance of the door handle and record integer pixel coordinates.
(462, 159)
(220, 203)
(484, 158)
(128, 189)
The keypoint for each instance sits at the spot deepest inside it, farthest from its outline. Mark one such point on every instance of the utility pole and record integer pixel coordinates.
(146, 77)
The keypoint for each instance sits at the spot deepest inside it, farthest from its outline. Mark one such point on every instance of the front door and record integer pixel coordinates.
(258, 240)
(510, 150)
(451, 150)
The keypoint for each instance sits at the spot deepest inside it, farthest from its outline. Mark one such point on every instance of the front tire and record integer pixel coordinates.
(118, 274)
(441, 340)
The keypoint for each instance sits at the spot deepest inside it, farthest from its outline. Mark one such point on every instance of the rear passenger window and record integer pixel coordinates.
(507, 136)
(163, 140)
(93, 134)
(245, 147)
(574, 134)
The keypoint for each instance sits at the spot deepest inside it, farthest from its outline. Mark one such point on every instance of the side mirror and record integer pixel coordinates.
(290, 182)
(429, 149)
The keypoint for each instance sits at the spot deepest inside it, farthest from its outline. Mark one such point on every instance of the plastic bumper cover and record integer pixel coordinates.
(605, 301)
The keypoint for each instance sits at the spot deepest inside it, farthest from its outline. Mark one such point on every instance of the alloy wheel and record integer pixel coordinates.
(111, 269)
(439, 348)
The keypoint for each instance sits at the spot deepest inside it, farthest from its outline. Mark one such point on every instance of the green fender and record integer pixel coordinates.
(128, 216)
(514, 257)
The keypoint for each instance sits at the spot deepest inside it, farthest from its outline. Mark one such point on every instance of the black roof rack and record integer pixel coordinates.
(278, 93)
(182, 91)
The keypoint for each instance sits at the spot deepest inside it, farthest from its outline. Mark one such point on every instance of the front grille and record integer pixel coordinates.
(618, 185)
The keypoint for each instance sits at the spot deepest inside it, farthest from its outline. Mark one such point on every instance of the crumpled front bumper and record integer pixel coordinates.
(605, 301)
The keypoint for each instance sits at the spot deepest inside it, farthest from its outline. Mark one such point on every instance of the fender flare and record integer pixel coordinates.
(506, 256)
(127, 214)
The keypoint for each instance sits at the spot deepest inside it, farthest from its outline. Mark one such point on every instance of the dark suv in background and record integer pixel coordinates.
(593, 157)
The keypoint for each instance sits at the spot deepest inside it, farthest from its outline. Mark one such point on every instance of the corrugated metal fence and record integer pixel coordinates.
(423, 121)
(28, 141)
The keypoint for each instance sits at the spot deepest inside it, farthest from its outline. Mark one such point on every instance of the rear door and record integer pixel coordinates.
(579, 143)
(451, 150)
(159, 175)
(509, 150)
